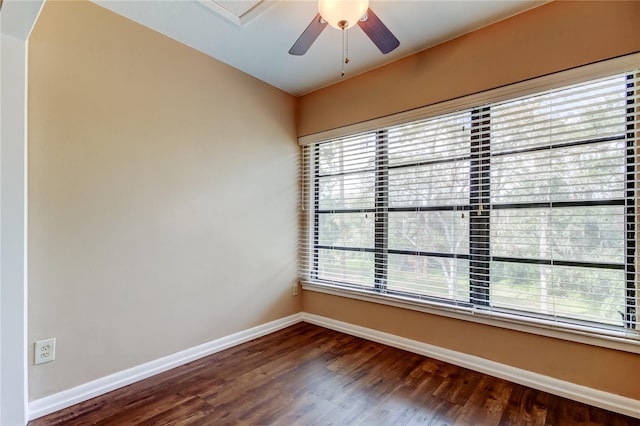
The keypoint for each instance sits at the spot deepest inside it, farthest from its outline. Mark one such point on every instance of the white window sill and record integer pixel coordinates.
(619, 340)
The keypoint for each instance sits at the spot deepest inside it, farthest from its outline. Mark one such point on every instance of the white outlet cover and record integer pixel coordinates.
(45, 350)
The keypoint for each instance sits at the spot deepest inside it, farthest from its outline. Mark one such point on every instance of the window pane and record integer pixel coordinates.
(431, 276)
(434, 139)
(585, 234)
(579, 173)
(588, 111)
(521, 286)
(520, 178)
(346, 230)
(522, 233)
(351, 267)
(353, 191)
(442, 184)
(589, 294)
(588, 172)
(588, 234)
(347, 155)
(432, 231)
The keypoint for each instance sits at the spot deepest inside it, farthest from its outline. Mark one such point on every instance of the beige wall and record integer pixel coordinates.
(162, 196)
(146, 184)
(553, 37)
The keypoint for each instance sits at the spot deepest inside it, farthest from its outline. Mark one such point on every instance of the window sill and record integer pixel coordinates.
(620, 340)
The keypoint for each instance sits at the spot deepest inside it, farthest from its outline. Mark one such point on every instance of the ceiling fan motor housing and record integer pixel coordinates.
(342, 14)
(364, 17)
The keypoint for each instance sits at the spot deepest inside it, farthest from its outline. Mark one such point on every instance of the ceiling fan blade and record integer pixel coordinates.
(308, 36)
(379, 33)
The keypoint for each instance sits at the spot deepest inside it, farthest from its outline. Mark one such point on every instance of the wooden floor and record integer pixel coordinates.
(309, 375)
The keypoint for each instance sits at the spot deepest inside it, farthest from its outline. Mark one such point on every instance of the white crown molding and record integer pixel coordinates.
(597, 398)
(58, 401)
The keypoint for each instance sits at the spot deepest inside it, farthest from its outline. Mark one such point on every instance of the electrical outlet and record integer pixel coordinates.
(45, 350)
(295, 289)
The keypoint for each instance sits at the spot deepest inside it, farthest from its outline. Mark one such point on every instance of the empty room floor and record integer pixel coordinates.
(310, 375)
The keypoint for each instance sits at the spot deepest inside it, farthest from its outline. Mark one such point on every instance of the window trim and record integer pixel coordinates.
(619, 340)
(628, 341)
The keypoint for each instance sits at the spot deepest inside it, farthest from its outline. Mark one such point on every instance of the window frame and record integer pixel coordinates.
(479, 248)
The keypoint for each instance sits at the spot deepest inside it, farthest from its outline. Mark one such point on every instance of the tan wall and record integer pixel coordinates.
(553, 37)
(162, 196)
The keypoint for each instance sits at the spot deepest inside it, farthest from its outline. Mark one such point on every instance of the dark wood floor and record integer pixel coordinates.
(309, 375)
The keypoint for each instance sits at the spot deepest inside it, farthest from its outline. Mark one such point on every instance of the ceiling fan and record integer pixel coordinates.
(344, 14)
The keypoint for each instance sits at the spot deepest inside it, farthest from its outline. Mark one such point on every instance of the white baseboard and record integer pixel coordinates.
(43, 406)
(84, 392)
(597, 398)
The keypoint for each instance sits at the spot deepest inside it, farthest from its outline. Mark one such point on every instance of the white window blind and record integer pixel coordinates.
(525, 207)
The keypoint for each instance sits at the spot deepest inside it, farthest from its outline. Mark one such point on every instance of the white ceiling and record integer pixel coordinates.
(255, 36)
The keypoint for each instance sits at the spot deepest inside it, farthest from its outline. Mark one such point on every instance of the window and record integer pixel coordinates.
(525, 207)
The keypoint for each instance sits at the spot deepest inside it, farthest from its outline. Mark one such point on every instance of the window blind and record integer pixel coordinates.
(525, 206)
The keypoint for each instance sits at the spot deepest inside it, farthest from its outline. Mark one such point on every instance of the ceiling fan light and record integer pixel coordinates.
(336, 11)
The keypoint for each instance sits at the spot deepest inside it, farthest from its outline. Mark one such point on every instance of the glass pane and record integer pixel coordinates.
(522, 233)
(431, 276)
(438, 138)
(589, 172)
(346, 229)
(588, 111)
(354, 191)
(586, 234)
(520, 178)
(442, 184)
(347, 155)
(433, 231)
(346, 266)
(521, 286)
(590, 294)
(589, 234)
(579, 173)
